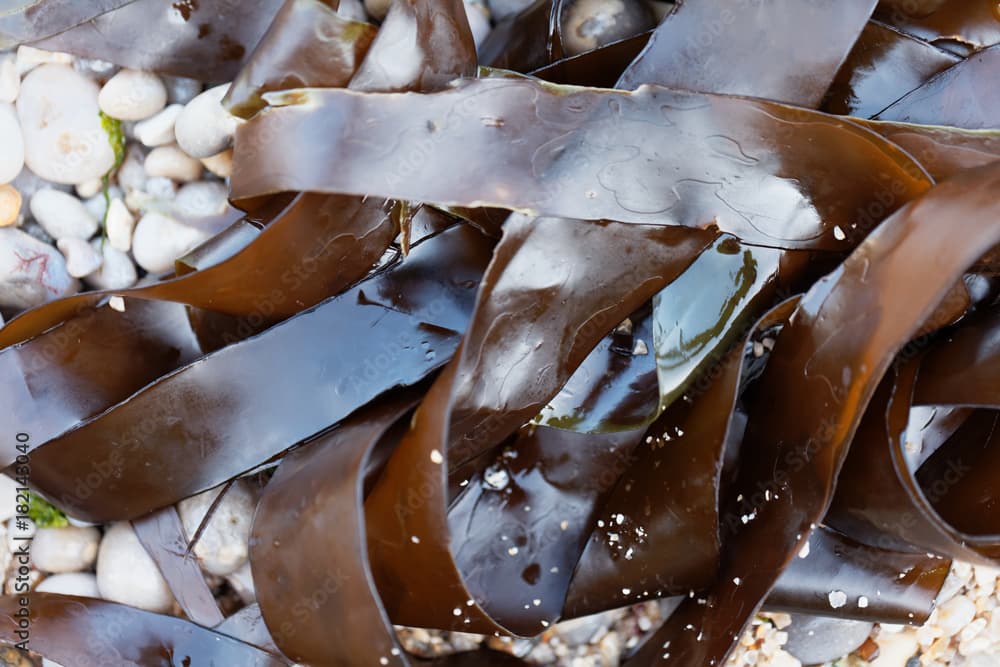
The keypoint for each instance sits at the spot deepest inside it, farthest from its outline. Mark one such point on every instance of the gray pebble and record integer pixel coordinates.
(817, 639)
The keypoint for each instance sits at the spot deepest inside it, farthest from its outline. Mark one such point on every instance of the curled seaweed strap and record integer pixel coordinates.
(827, 363)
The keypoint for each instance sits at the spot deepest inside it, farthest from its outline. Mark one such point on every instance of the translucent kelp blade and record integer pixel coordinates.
(827, 363)
(942, 151)
(23, 21)
(961, 27)
(753, 168)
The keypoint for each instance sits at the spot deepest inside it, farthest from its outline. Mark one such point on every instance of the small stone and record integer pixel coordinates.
(955, 614)
(161, 188)
(201, 199)
(10, 80)
(12, 154)
(131, 174)
(158, 130)
(479, 21)
(10, 205)
(377, 9)
(586, 629)
(31, 272)
(181, 90)
(590, 24)
(95, 68)
(220, 164)
(895, 649)
(81, 258)
(83, 584)
(224, 544)
(96, 205)
(204, 127)
(67, 549)
(28, 58)
(62, 215)
(90, 188)
(132, 95)
(126, 573)
(173, 163)
(159, 240)
(817, 639)
(119, 225)
(63, 138)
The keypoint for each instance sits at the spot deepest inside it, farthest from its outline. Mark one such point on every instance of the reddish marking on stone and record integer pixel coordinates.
(25, 264)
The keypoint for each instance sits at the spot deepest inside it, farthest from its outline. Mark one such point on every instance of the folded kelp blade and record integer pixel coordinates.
(942, 151)
(754, 168)
(961, 27)
(73, 630)
(884, 65)
(307, 44)
(532, 312)
(827, 363)
(206, 40)
(956, 96)
(24, 21)
(227, 412)
(715, 46)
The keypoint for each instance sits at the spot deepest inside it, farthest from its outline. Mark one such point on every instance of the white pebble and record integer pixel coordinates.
(62, 215)
(81, 258)
(88, 189)
(67, 549)
(117, 270)
(220, 164)
(119, 225)
(173, 163)
(31, 272)
(159, 129)
(224, 545)
(131, 174)
(12, 153)
(201, 199)
(159, 240)
(96, 205)
(242, 582)
(896, 649)
(63, 138)
(28, 58)
(10, 80)
(132, 95)
(126, 573)
(204, 127)
(955, 614)
(83, 584)
(161, 188)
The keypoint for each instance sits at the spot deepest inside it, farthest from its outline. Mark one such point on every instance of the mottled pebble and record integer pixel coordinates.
(224, 544)
(67, 549)
(31, 272)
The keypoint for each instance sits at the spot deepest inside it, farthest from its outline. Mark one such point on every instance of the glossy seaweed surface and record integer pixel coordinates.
(517, 337)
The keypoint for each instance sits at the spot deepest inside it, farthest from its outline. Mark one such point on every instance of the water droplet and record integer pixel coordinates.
(496, 478)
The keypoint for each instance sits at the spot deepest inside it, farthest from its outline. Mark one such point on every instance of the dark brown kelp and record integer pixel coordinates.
(690, 342)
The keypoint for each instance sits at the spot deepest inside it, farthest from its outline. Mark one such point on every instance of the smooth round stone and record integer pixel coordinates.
(173, 163)
(224, 544)
(12, 141)
(158, 130)
(817, 639)
(204, 127)
(589, 24)
(132, 95)
(31, 272)
(88, 189)
(117, 270)
(479, 21)
(28, 58)
(119, 224)
(81, 258)
(220, 164)
(126, 573)
(131, 174)
(377, 9)
(10, 205)
(63, 138)
(10, 80)
(67, 549)
(201, 200)
(83, 584)
(895, 649)
(501, 9)
(159, 240)
(62, 215)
